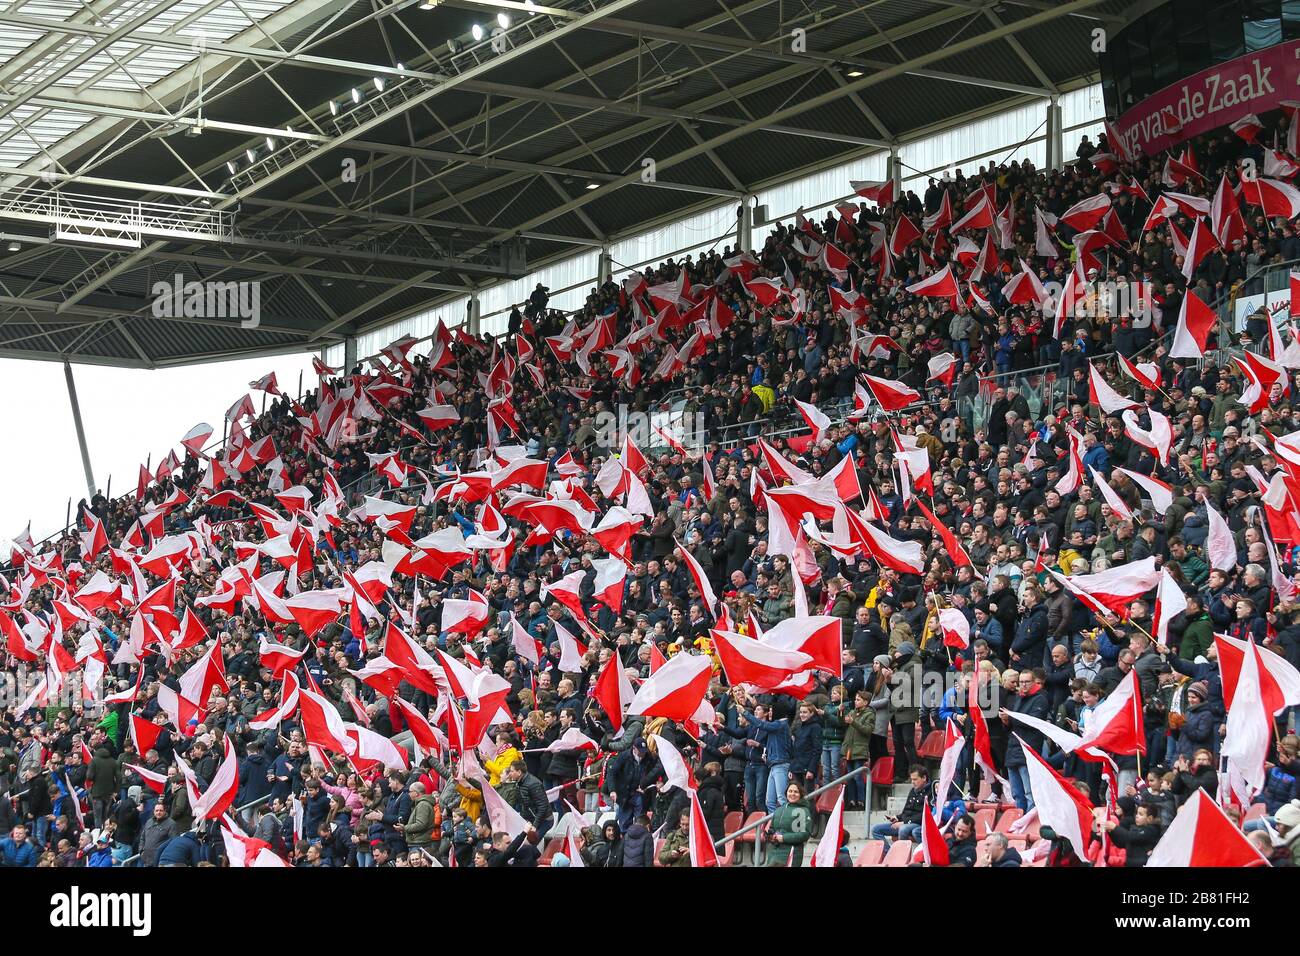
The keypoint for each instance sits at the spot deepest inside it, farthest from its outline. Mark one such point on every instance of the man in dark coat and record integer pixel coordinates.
(1032, 701)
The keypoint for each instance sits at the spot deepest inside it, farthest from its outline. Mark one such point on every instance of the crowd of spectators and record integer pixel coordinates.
(72, 797)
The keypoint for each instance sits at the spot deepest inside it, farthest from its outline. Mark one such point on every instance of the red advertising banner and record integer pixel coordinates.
(1215, 97)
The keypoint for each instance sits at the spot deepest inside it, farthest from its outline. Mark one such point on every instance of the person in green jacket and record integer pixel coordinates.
(1198, 634)
(420, 825)
(790, 829)
(676, 850)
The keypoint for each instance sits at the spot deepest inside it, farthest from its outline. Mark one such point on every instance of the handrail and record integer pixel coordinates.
(865, 768)
(231, 814)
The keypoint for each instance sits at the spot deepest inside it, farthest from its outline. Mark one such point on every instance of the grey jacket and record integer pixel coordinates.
(152, 836)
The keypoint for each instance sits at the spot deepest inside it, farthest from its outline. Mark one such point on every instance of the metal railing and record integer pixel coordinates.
(234, 815)
(811, 795)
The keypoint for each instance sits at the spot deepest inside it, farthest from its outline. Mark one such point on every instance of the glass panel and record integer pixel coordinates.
(1139, 60)
(1193, 40)
(1164, 50)
(1225, 28)
(1262, 23)
(1291, 19)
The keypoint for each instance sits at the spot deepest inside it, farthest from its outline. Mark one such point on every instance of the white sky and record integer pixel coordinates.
(128, 414)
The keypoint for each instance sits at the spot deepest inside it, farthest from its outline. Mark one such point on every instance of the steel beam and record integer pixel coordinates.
(81, 430)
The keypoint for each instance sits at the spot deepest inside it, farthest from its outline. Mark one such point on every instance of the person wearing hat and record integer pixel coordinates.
(907, 684)
(100, 851)
(1287, 821)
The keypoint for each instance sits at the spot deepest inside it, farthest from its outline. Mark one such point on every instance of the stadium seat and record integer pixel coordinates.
(932, 747)
(984, 820)
(733, 821)
(727, 856)
(825, 804)
(871, 854)
(1255, 812)
(552, 847)
(900, 853)
(1008, 817)
(882, 773)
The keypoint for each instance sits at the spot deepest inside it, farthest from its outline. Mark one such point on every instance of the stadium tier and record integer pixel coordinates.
(950, 526)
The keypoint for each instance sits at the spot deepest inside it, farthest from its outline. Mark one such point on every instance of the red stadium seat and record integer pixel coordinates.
(882, 772)
(932, 747)
(871, 854)
(733, 821)
(900, 853)
(984, 820)
(1009, 817)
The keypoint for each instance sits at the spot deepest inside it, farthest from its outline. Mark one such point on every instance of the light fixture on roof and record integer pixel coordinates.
(593, 185)
(503, 20)
(329, 282)
(476, 32)
(429, 4)
(334, 108)
(196, 129)
(14, 245)
(528, 5)
(854, 72)
(453, 47)
(356, 95)
(379, 83)
(251, 154)
(230, 165)
(270, 143)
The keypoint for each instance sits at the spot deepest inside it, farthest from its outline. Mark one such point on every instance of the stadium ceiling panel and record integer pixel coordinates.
(362, 160)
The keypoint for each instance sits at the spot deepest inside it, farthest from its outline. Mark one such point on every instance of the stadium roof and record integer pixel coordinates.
(145, 139)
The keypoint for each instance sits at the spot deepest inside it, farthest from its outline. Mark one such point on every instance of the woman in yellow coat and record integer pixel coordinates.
(507, 754)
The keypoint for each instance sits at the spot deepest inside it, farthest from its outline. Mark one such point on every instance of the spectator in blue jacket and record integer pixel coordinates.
(182, 850)
(774, 737)
(16, 849)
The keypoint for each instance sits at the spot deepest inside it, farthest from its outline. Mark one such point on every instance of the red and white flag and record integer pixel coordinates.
(933, 848)
(703, 852)
(891, 395)
(1195, 321)
(1086, 213)
(943, 368)
(1116, 724)
(1060, 806)
(814, 417)
(956, 629)
(700, 578)
(613, 690)
(1203, 835)
(828, 848)
(1102, 395)
(675, 690)
(941, 285)
(747, 661)
(1170, 602)
(954, 742)
(1114, 589)
(1160, 493)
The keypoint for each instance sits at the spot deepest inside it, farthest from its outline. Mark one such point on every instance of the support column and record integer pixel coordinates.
(604, 265)
(894, 169)
(349, 354)
(81, 430)
(1055, 134)
(473, 314)
(745, 224)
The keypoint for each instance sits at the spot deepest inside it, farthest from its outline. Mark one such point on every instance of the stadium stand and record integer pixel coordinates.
(955, 529)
